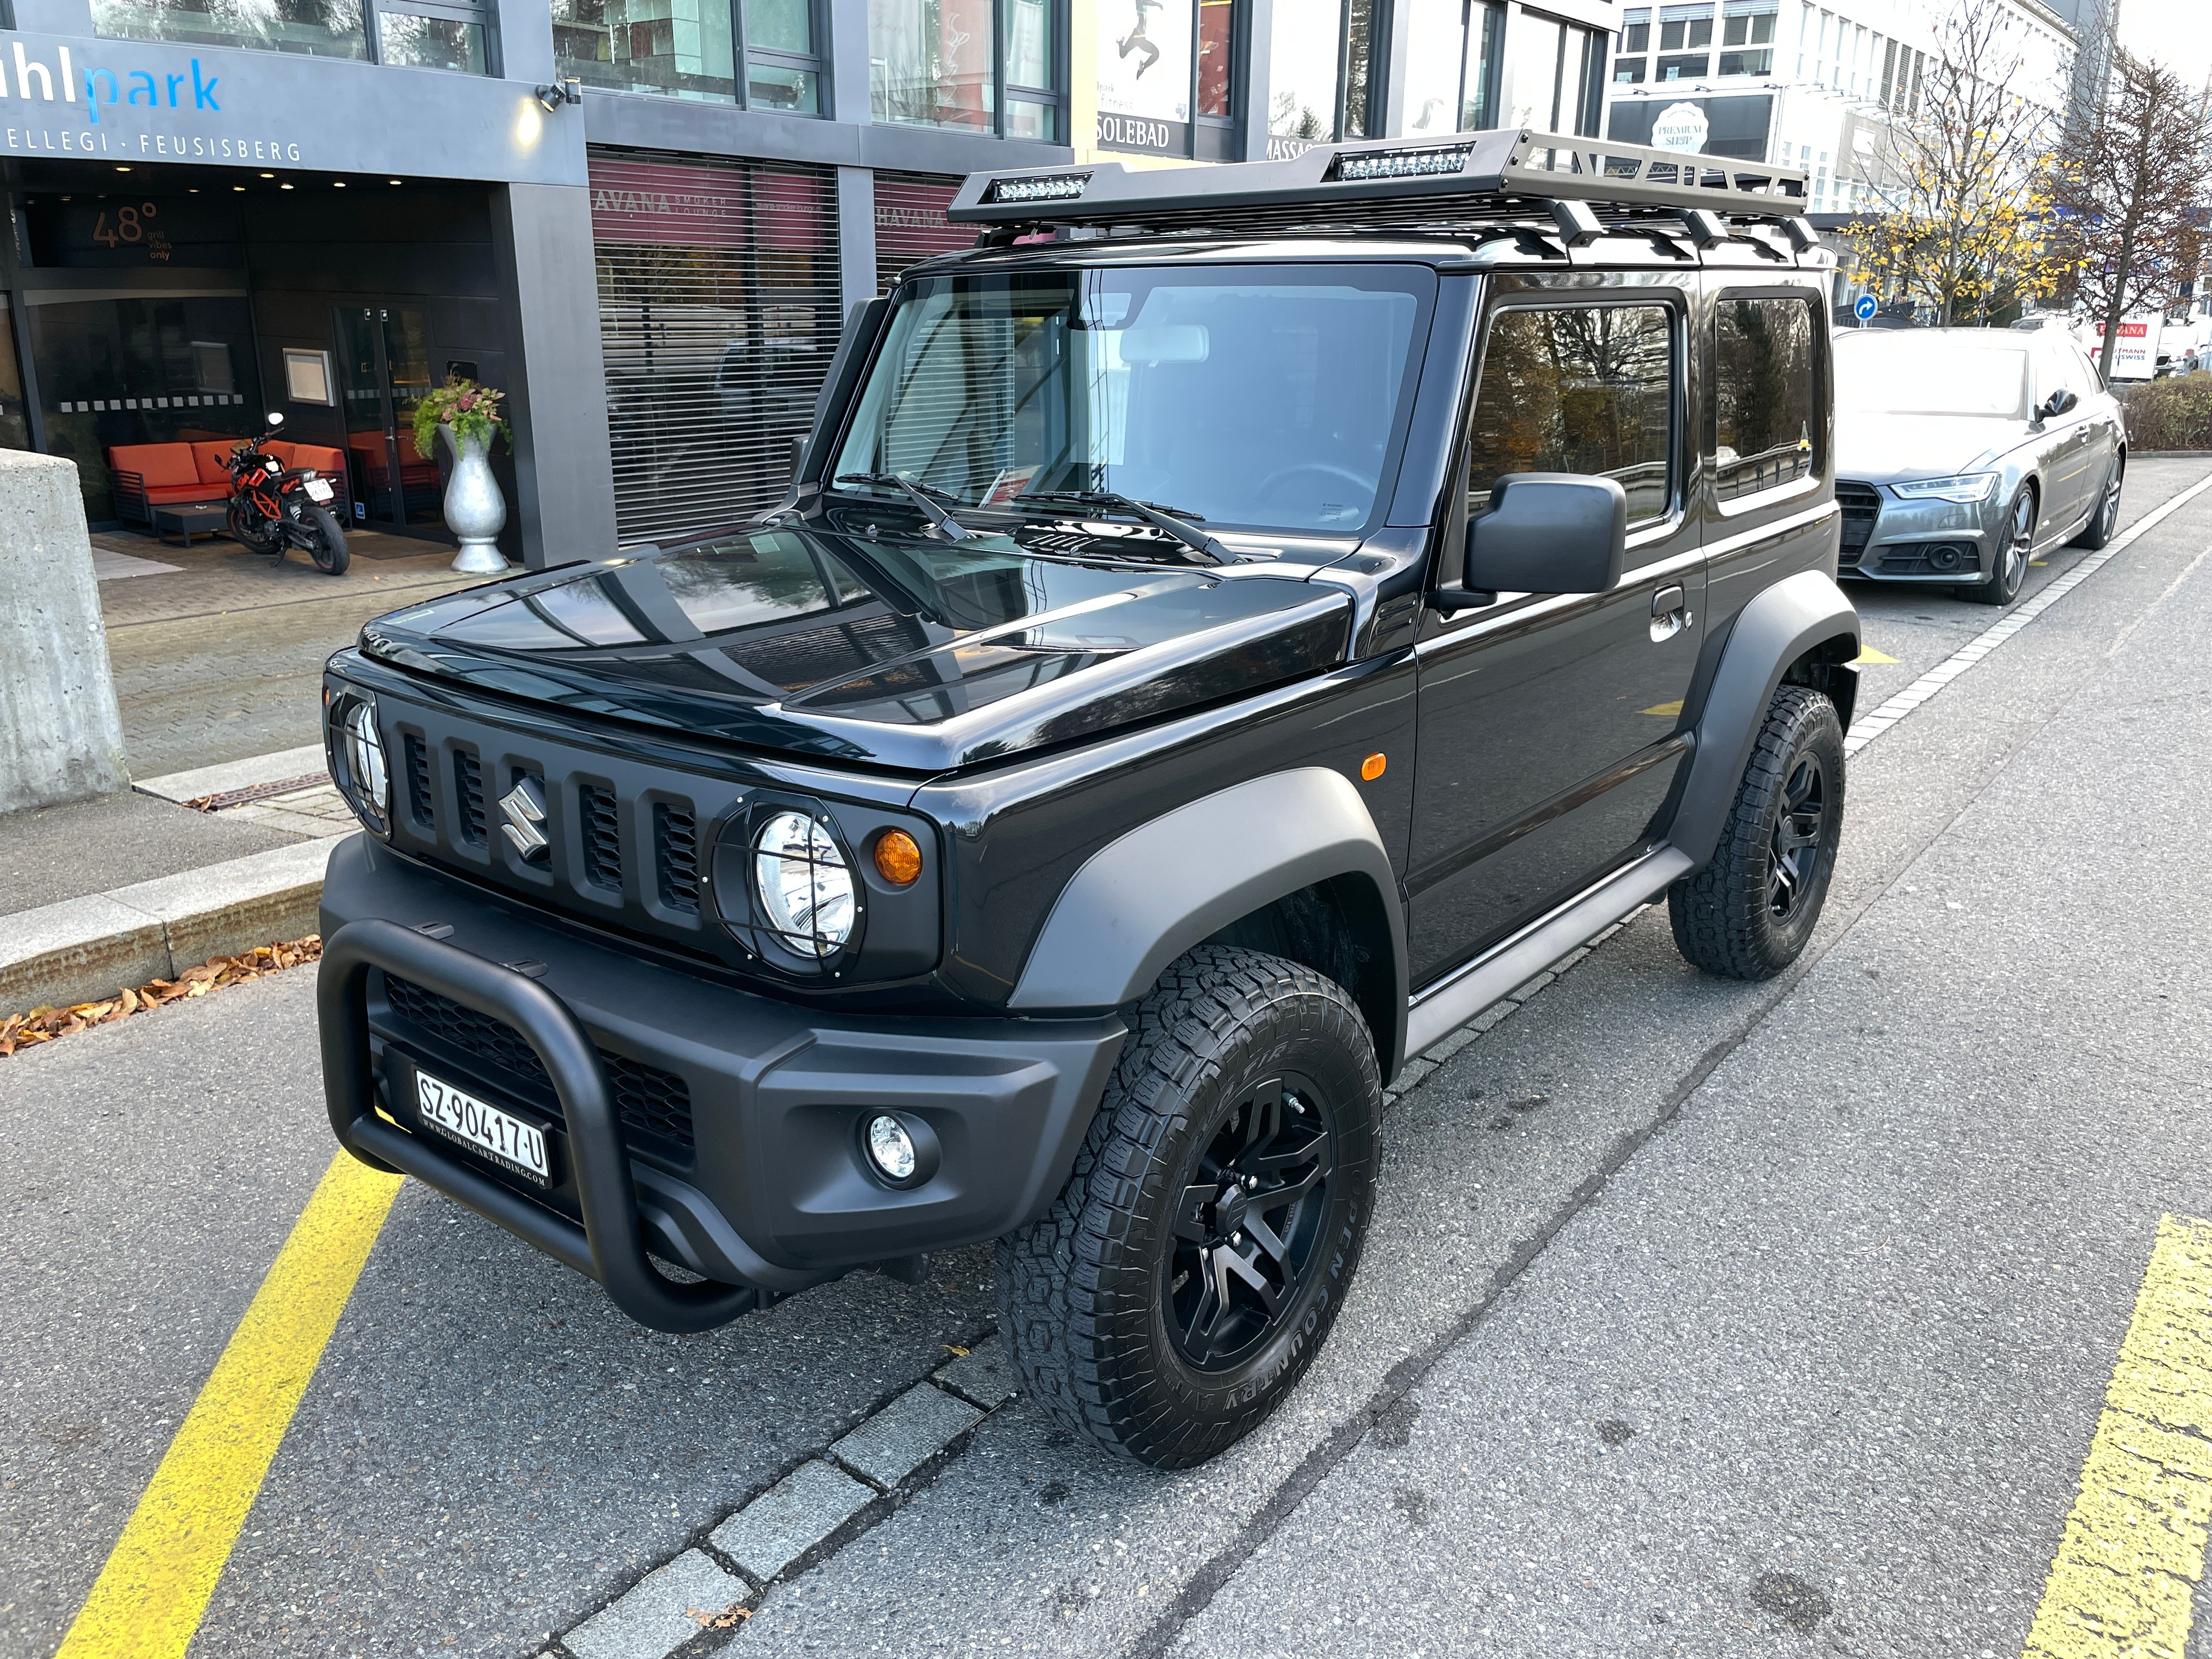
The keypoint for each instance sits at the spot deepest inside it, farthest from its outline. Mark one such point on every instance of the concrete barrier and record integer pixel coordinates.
(60, 734)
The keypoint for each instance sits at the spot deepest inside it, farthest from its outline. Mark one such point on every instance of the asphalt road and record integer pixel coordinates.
(1698, 1318)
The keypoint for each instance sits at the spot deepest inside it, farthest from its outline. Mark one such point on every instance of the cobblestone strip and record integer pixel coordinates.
(1868, 727)
(695, 1604)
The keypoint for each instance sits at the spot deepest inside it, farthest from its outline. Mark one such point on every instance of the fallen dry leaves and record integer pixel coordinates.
(19, 1031)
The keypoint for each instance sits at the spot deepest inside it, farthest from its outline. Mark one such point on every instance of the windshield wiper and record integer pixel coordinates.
(1177, 525)
(922, 494)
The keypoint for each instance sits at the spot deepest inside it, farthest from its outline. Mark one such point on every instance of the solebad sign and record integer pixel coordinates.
(126, 101)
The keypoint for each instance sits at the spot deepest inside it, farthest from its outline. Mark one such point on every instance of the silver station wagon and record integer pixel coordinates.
(1961, 453)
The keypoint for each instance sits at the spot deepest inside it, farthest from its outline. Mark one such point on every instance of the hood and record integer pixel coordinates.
(1887, 448)
(896, 650)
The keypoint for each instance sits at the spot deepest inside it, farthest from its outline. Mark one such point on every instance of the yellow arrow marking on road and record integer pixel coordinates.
(1670, 709)
(2133, 1550)
(1868, 656)
(149, 1598)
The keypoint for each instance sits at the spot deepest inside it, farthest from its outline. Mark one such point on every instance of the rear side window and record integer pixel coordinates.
(1762, 395)
(1577, 389)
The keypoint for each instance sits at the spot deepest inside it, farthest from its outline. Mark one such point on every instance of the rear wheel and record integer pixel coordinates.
(1749, 912)
(1181, 1285)
(2003, 585)
(2106, 518)
(326, 543)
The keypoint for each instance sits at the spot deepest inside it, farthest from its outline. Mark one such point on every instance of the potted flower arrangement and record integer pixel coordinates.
(468, 414)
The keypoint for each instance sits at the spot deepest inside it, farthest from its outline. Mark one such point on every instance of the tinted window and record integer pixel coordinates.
(1762, 395)
(1579, 389)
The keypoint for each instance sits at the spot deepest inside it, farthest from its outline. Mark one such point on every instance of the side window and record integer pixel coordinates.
(1577, 389)
(1762, 395)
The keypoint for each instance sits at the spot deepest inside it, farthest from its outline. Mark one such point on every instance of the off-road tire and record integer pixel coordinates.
(326, 542)
(1084, 1291)
(2106, 518)
(1724, 914)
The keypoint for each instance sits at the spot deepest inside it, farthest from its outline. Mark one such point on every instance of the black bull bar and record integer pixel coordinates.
(609, 1247)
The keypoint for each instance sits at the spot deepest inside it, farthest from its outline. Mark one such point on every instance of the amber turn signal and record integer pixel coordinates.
(899, 860)
(1372, 768)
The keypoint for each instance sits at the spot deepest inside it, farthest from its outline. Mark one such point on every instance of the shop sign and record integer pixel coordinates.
(124, 102)
(645, 203)
(1680, 126)
(1143, 75)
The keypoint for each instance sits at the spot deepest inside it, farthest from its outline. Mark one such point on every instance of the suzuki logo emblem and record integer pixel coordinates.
(525, 806)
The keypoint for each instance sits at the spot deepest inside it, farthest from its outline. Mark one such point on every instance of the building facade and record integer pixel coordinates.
(644, 219)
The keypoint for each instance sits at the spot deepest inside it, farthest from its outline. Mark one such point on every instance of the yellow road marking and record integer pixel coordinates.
(2133, 1550)
(1867, 655)
(1668, 709)
(149, 1598)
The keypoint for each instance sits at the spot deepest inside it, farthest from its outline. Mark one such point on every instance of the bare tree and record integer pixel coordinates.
(2127, 196)
(1956, 225)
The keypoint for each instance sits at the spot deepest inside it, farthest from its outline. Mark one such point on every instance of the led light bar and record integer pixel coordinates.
(1060, 187)
(1402, 163)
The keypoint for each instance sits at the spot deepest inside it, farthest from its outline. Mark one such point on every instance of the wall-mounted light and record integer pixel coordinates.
(565, 90)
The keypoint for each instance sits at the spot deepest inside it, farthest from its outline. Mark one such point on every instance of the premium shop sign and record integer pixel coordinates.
(125, 101)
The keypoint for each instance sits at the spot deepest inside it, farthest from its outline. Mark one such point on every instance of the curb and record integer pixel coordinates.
(82, 949)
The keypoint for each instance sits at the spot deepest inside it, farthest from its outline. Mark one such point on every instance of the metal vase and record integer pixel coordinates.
(475, 510)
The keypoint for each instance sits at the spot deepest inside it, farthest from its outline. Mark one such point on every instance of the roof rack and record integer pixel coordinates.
(1473, 178)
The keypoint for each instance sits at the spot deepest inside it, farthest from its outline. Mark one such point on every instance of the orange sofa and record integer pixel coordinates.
(147, 476)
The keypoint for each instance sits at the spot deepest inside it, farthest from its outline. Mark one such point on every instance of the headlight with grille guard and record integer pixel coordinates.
(358, 766)
(803, 885)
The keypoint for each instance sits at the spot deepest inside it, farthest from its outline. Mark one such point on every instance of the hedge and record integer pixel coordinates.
(2175, 413)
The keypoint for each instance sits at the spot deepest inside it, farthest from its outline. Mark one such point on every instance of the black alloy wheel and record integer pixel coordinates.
(1800, 833)
(2106, 518)
(1180, 1286)
(1247, 1226)
(250, 530)
(2003, 585)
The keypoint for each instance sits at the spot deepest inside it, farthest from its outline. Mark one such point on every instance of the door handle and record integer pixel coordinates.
(1669, 613)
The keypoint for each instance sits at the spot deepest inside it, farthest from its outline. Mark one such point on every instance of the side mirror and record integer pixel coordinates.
(1545, 533)
(275, 419)
(2058, 403)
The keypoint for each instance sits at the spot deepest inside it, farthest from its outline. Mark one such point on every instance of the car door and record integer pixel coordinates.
(2066, 444)
(1550, 724)
(2101, 411)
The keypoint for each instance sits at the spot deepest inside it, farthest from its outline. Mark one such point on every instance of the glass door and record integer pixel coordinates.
(383, 354)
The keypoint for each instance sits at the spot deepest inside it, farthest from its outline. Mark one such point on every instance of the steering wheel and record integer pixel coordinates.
(1366, 486)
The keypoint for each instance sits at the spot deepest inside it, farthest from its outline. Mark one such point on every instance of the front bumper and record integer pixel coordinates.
(707, 1126)
(1888, 540)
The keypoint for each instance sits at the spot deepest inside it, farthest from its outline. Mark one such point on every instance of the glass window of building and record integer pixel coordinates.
(761, 53)
(1323, 70)
(1552, 77)
(938, 64)
(433, 36)
(1451, 67)
(1747, 37)
(321, 28)
(1629, 67)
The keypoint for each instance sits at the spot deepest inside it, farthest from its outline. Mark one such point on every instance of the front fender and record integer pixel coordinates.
(1804, 615)
(1147, 898)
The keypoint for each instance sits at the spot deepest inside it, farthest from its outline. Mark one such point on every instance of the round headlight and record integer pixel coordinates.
(368, 780)
(804, 884)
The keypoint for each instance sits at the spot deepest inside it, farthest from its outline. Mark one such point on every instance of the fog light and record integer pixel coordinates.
(890, 1148)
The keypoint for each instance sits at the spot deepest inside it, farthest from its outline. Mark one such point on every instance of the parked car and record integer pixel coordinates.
(1191, 673)
(1963, 452)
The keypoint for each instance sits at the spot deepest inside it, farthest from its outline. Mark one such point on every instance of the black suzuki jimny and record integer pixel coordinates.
(1226, 629)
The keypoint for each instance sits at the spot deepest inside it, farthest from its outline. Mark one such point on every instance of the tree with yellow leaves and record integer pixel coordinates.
(1959, 197)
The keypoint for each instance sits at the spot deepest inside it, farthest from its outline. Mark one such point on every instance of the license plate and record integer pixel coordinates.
(318, 490)
(501, 1136)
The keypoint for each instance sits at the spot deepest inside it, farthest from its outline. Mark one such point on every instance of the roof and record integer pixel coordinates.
(1471, 178)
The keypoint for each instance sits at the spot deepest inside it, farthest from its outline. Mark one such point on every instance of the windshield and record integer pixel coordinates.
(1901, 375)
(1256, 396)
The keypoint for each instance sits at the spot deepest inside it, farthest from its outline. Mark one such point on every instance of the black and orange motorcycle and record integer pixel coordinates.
(274, 506)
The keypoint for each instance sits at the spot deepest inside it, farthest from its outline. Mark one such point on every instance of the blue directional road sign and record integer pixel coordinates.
(1865, 309)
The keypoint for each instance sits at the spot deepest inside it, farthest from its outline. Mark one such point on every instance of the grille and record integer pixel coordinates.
(646, 1098)
(1932, 559)
(1861, 505)
(468, 790)
(419, 781)
(675, 856)
(602, 836)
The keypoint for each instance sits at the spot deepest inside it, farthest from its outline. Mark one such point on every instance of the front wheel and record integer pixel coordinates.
(251, 529)
(1749, 912)
(1180, 1286)
(2003, 585)
(326, 543)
